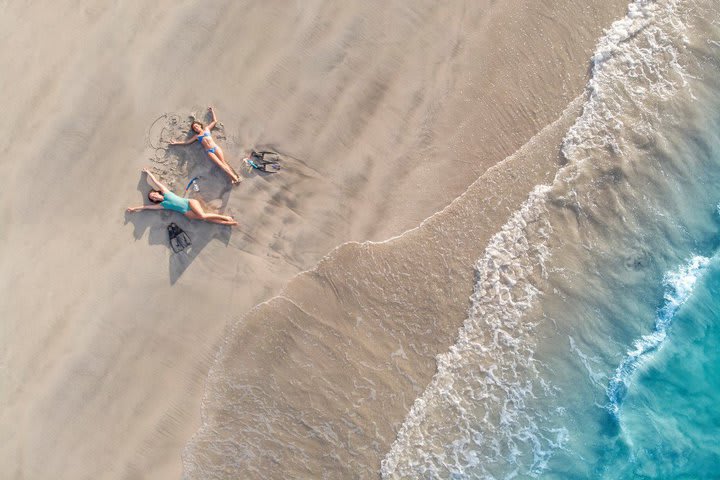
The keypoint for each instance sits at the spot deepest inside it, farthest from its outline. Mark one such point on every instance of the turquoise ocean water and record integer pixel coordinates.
(591, 344)
(663, 398)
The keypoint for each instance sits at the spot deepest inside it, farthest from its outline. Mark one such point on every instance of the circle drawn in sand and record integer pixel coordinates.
(158, 129)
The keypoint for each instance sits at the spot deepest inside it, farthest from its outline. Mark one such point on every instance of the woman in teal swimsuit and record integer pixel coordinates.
(202, 135)
(164, 199)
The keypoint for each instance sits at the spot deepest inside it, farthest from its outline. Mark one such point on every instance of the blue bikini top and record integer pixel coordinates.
(205, 134)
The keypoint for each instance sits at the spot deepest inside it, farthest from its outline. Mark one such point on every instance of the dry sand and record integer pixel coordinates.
(387, 111)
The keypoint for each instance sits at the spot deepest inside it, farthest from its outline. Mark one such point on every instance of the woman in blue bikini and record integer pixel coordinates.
(202, 135)
(164, 199)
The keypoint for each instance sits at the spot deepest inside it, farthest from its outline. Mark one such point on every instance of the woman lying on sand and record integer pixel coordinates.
(202, 135)
(164, 199)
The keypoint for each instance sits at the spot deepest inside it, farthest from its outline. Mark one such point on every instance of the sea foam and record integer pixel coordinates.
(679, 285)
(474, 417)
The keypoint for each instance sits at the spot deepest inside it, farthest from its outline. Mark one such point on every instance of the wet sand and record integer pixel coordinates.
(385, 113)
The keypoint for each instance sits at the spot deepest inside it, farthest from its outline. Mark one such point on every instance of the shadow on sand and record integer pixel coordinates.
(212, 186)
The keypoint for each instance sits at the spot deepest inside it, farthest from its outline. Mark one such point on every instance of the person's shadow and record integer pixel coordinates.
(213, 185)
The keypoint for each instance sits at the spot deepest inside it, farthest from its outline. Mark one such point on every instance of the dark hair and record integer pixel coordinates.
(202, 127)
(150, 198)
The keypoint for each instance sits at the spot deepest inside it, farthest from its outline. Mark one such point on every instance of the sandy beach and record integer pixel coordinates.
(384, 113)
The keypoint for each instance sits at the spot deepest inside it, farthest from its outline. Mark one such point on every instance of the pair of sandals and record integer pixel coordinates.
(257, 161)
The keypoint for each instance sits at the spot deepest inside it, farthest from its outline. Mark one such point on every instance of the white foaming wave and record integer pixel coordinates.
(494, 331)
(473, 416)
(679, 286)
(636, 58)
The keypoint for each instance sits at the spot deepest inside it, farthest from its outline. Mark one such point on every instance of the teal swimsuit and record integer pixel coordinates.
(174, 202)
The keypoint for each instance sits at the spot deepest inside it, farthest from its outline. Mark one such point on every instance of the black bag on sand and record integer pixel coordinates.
(179, 240)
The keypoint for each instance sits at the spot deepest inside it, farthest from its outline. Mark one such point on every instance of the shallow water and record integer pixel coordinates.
(587, 352)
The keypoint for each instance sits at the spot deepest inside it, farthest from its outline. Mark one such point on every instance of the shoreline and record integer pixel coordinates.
(109, 340)
(241, 366)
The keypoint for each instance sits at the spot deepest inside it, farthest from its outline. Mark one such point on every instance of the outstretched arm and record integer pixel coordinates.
(211, 125)
(186, 142)
(145, 207)
(160, 186)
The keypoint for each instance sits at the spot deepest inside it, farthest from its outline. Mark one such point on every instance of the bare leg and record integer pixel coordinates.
(196, 212)
(225, 167)
(221, 155)
(212, 218)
